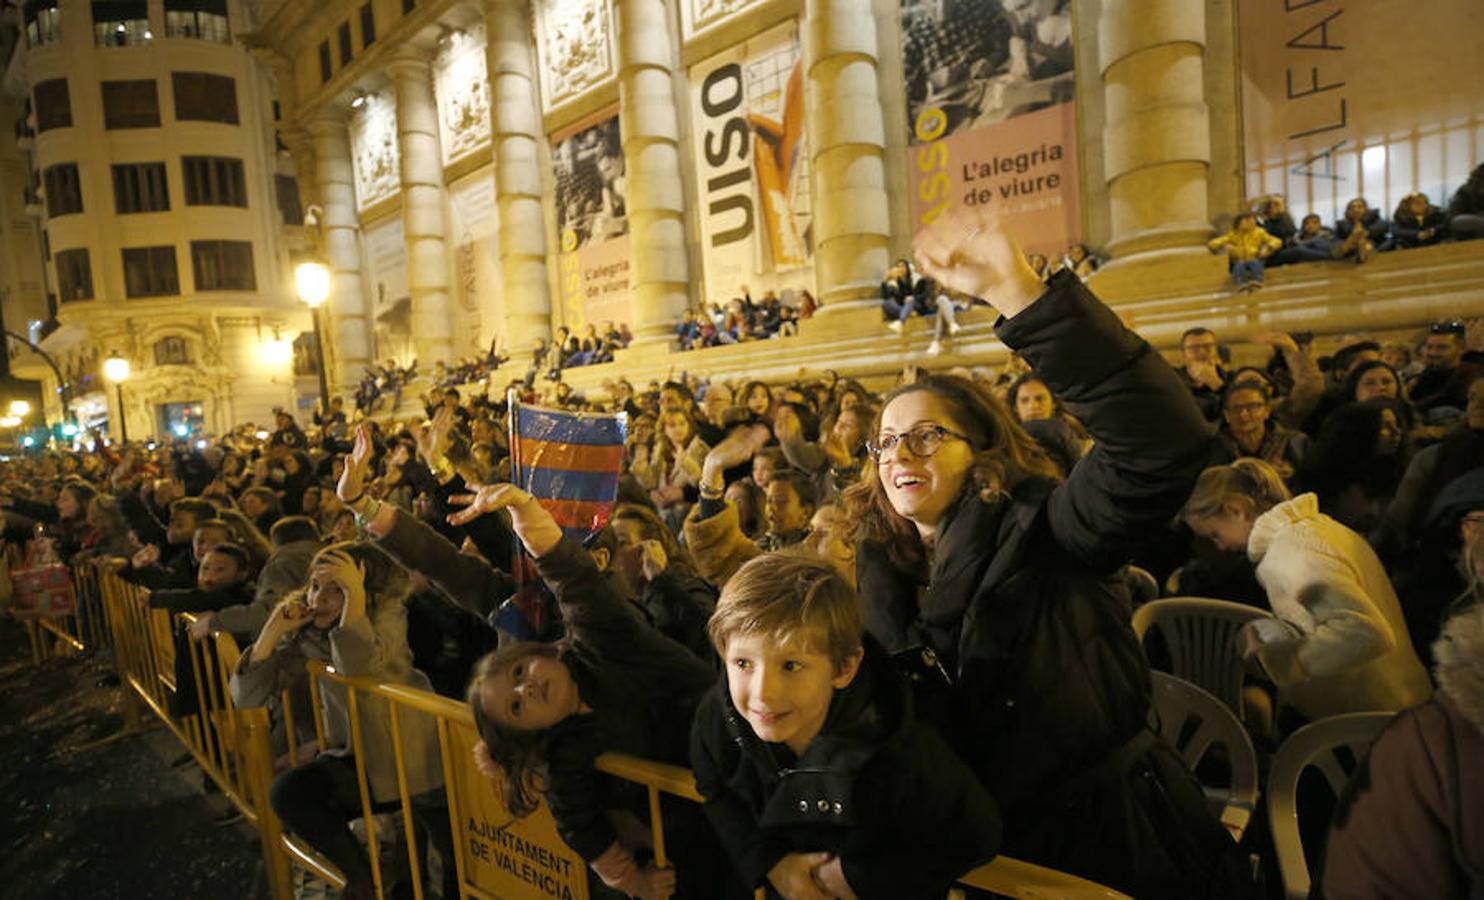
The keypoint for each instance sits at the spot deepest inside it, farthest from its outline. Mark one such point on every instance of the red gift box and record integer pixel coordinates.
(43, 591)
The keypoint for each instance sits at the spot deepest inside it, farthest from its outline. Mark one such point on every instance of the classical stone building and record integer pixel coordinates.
(494, 171)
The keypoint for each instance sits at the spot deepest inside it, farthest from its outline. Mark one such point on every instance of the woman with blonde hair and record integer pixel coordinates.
(1339, 643)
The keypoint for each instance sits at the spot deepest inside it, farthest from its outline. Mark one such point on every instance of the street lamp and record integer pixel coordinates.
(20, 408)
(312, 282)
(116, 370)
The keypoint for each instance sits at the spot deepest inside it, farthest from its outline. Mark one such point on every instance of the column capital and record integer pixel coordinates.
(409, 61)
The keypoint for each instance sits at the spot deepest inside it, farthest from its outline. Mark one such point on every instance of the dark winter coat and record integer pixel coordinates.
(877, 787)
(680, 605)
(642, 687)
(1376, 227)
(1406, 230)
(1050, 696)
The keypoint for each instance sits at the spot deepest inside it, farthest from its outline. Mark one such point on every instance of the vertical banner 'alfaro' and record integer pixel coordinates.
(1342, 99)
(752, 165)
(592, 220)
(991, 117)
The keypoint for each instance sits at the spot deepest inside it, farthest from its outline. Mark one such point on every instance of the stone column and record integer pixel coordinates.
(516, 133)
(422, 207)
(349, 330)
(1157, 137)
(852, 222)
(660, 275)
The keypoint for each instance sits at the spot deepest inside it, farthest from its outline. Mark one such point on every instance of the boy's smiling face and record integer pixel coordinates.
(784, 691)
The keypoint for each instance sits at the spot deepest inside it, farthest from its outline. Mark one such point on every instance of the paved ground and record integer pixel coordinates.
(110, 822)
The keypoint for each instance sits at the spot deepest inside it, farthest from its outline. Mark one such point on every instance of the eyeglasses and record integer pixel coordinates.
(923, 441)
(1453, 327)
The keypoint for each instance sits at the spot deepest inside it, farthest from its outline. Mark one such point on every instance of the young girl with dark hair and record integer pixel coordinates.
(1356, 462)
(546, 711)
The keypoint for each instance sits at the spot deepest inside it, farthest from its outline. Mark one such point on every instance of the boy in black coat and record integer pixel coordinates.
(816, 776)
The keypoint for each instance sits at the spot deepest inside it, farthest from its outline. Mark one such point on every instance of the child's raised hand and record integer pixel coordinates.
(287, 617)
(831, 877)
(529, 519)
(351, 577)
(793, 876)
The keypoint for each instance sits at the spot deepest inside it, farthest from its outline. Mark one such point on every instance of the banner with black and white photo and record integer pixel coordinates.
(991, 116)
(592, 221)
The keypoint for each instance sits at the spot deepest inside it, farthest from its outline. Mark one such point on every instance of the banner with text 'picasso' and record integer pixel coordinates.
(1376, 99)
(592, 222)
(990, 115)
(752, 166)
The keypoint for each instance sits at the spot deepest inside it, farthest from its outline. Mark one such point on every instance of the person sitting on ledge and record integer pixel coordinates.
(1418, 223)
(1246, 247)
(903, 293)
(1360, 232)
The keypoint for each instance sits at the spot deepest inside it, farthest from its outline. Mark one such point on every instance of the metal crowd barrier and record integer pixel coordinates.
(495, 856)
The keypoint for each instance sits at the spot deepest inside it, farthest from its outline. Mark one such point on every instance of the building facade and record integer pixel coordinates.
(164, 209)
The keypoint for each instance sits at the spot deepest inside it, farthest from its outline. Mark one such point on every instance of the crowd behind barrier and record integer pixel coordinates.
(495, 856)
(1340, 499)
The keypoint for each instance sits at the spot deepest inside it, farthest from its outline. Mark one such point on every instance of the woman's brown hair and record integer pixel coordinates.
(1004, 455)
(653, 528)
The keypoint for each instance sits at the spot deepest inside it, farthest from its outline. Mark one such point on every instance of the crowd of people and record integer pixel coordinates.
(1266, 234)
(743, 319)
(889, 633)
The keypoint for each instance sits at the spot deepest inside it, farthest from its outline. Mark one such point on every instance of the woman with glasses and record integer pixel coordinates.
(1247, 429)
(994, 583)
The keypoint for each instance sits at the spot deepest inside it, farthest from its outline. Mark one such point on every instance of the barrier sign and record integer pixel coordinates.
(43, 591)
(508, 858)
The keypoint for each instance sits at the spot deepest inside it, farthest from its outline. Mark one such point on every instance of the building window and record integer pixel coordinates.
(203, 20)
(223, 265)
(121, 23)
(43, 22)
(214, 181)
(74, 275)
(203, 97)
(63, 190)
(131, 104)
(140, 187)
(325, 68)
(150, 272)
(368, 26)
(286, 187)
(53, 104)
(172, 351)
(345, 46)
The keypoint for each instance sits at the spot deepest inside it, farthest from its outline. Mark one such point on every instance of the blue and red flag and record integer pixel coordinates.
(570, 462)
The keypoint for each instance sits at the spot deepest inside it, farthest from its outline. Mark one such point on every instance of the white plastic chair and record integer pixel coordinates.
(1176, 702)
(1201, 635)
(1312, 745)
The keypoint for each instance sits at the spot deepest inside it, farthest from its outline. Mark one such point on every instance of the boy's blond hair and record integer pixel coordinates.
(790, 597)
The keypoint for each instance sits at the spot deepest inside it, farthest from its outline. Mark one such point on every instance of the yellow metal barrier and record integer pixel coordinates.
(495, 855)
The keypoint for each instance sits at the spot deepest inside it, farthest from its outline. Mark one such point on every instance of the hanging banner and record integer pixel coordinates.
(592, 222)
(473, 220)
(990, 115)
(752, 166)
(391, 304)
(1375, 100)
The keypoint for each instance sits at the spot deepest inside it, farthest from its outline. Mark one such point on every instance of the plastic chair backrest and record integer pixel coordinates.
(1176, 702)
(1313, 745)
(1201, 636)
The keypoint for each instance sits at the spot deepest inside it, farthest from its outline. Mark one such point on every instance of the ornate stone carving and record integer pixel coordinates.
(702, 14)
(373, 141)
(576, 53)
(463, 93)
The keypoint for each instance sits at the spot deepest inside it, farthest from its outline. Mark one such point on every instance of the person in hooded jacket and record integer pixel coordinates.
(817, 776)
(1411, 821)
(997, 585)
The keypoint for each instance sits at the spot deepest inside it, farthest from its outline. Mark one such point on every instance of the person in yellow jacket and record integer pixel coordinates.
(1246, 245)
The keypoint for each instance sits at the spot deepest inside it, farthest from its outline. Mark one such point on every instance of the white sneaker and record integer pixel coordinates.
(934, 348)
(955, 328)
(896, 325)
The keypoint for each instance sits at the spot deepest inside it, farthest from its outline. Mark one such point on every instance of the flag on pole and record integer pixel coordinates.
(570, 462)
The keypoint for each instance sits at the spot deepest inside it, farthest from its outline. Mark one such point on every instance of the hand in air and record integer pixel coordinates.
(353, 478)
(351, 577)
(147, 556)
(529, 519)
(200, 629)
(970, 250)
